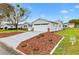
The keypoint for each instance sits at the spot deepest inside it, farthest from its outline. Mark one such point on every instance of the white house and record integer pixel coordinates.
(9, 25)
(6, 25)
(59, 25)
(71, 25)
(25, 25)
(45, 25)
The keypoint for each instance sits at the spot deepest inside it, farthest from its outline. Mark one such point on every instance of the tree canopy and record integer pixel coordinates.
(14, 14)
(7, 8)
(74, 21)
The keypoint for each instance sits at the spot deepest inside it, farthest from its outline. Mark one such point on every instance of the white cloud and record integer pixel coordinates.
(66, 17)
(71, 10)
(64, 11)
(77, 6)
(43, 15)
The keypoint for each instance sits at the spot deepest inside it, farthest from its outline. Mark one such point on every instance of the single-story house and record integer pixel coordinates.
(45, 25)
(9, 25)
(74, 23)
(71, 25)
(25, 26)
(59, 25)
(6, 25)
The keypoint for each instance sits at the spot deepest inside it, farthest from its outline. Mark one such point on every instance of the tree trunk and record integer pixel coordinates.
(0, 25)
(16, 26)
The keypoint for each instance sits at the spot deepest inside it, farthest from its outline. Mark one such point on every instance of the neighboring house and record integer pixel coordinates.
(25, 26)
(45, 25)
(74, 23)
(22, 25)
(9, 25)
(71, 25)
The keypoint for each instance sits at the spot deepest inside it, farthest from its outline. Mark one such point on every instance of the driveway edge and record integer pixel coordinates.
(56, 46)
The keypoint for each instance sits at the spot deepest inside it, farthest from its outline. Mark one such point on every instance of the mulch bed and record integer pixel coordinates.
(41, 44)
(2, 35)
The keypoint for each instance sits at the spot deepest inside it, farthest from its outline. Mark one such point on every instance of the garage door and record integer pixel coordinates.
(41, 28)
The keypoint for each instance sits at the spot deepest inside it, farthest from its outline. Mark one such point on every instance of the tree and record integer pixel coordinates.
(18, 15)
(14, 14)
(5, 10)
(74, 21)
(1, 18)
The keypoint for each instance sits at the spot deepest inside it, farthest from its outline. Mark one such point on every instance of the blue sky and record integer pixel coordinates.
(52, 11)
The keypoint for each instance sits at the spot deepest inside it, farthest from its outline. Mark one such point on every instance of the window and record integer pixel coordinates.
(25, 25)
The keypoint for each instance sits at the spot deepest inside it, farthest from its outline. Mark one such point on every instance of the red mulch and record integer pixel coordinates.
(41, 44)
(2, 35)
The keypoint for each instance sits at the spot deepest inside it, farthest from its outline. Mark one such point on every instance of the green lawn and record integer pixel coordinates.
(65, 47)
(6, 31)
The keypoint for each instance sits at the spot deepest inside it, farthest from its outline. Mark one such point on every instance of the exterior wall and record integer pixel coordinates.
(50, 26)
(41, 28)
(77, 25)
(71, 25)
(7, 26)
(41, 25)
(59, 25)
(56, 27)
(53, 27)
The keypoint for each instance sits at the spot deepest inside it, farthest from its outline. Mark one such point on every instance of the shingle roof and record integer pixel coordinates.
(44, 20)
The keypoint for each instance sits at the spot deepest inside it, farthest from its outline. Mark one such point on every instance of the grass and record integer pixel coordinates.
(6, 31)
(66, 47)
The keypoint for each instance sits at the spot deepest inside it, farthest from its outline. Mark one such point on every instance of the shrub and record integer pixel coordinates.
(23, 45)
(42, 35)
(50, 40)
(36, 49)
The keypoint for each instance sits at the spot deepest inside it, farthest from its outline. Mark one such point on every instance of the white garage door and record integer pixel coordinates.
(41, 28)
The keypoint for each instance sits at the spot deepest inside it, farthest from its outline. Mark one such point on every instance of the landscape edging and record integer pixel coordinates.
(56, 46)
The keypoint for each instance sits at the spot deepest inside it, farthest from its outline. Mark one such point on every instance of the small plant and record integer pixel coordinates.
(38, 37)
(49, 40)
(36, 49)
(23, 45)
(41, 35)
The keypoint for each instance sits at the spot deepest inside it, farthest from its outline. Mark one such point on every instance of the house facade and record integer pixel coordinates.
(59, 25)
(74, 23)
(37, 25)
(71, 25)
(45, 25)
(7, 25)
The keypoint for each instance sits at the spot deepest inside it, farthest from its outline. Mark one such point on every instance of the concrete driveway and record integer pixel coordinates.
(13, 41)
